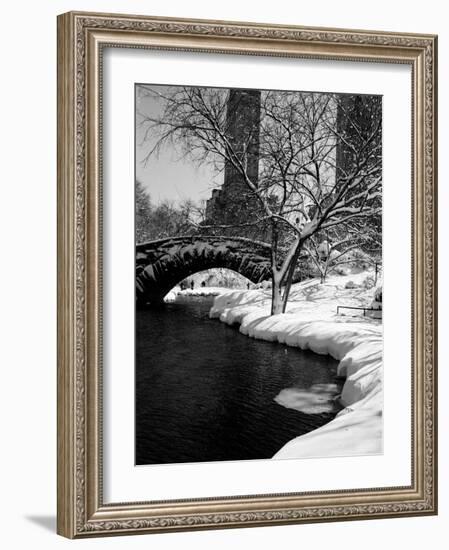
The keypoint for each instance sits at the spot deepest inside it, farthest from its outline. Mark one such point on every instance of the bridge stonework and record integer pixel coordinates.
(162, 264)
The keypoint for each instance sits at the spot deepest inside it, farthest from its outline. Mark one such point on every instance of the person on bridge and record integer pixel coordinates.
(192, 284)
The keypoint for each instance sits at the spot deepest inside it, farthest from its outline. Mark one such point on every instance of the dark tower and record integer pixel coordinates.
(234, 203)
(356, 115)
(357, 119)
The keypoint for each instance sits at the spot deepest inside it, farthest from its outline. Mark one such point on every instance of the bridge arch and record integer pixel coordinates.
(162, 264)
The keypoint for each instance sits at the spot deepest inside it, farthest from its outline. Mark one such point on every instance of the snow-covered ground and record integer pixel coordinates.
(311, 322)
(176, 292)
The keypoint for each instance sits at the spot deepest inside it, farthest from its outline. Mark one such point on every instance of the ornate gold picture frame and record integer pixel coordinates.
(82, 40)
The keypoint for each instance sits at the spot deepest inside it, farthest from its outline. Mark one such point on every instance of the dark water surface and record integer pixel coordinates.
(205, 392)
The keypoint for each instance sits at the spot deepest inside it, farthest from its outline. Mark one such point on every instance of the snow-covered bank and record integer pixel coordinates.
(311, 323)
(204, 291)
(176, 292)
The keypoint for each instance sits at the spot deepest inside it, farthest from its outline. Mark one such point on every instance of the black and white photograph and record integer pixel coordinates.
(258, 220)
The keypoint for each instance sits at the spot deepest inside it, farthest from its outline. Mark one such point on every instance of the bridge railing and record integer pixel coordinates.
(193, 238)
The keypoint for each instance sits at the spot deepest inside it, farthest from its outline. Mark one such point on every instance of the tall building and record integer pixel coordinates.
(234, 203)
(357, 118)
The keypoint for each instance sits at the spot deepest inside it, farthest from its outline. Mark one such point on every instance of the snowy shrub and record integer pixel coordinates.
(378, 294)
(377, 301)
(368, 282)
(351, 284)
(361, 258)
(339, 270)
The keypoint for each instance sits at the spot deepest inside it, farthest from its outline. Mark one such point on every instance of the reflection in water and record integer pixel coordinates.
(205, 392)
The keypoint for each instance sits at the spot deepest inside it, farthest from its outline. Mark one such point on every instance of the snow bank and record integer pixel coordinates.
(176, 292)
(311, 323)
(171, 296)
(203, 291)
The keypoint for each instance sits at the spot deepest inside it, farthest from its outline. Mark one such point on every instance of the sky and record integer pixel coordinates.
(167, 176)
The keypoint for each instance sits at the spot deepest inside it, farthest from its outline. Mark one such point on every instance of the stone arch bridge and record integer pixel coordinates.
(162, 264)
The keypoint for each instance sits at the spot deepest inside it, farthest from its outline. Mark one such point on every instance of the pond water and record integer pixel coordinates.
(205, 392)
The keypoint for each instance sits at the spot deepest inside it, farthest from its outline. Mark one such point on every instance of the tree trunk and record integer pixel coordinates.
(290, 273)
(326, 269)
(276, 300)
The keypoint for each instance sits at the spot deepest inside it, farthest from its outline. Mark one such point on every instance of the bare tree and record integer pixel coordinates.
(166, 219)
(301, 189)
(333, 250)
(143, 212)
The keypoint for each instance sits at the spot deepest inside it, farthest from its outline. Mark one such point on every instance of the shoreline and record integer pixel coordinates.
(310, 323)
